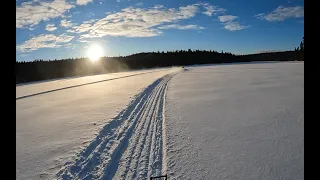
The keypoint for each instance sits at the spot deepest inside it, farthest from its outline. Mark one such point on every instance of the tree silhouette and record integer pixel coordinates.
(302, 45)
(42, 70)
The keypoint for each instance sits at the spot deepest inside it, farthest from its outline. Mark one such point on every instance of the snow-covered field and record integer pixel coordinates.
(28, 89)
(242, 121)
(235, 121)
(51, 127)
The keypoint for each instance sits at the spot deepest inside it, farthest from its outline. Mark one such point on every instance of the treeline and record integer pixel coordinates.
(43, 70)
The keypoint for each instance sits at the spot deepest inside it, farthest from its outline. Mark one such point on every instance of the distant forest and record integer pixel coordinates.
(43, 70)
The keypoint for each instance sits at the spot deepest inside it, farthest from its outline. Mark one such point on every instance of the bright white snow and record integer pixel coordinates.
(231, 121)
(25, 89)
(131, 146)
(236, 121)
(53, 126)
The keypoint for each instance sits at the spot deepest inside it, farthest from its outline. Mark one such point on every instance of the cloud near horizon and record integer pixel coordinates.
(44, 41)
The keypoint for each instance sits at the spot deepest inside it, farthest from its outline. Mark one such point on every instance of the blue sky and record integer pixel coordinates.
(57, 29)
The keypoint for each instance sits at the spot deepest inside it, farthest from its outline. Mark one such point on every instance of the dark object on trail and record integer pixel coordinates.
(156, 177)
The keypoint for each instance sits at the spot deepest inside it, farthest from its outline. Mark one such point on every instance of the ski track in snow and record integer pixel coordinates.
(131, 146)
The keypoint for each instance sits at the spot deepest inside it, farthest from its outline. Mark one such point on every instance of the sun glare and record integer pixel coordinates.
(95, 52)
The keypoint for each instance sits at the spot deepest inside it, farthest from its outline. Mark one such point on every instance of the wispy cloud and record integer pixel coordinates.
(234, 26)
(84, 27)
(181, 27)
(83, 2)
(50, 27)
(210, 9)
(282, 13)
(230, 24)
(44, 41)
(227, 18)
(135, 22)
(65, 23)
(30, 14)
(129, 22)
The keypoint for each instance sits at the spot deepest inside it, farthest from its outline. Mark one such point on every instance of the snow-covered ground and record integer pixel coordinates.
(56, 121)
(241, 121)
(232, 121)
(29, 89)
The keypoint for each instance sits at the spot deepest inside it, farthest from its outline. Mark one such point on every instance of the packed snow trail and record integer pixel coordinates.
(51, 128)
(128, 147)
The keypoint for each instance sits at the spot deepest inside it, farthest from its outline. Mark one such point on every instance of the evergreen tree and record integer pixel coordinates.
(301, 46)
(48, 69)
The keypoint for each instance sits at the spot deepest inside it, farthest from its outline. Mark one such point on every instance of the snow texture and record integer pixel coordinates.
(130, 146)
(52, 127)
(227, 121)
(236, 121)
(41, 87)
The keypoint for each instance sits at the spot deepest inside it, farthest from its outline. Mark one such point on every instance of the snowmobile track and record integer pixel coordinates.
(131, 146)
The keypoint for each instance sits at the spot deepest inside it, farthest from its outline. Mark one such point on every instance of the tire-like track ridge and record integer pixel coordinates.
(130, 146)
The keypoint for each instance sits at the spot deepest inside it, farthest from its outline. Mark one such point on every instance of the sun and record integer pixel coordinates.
(95, 52)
